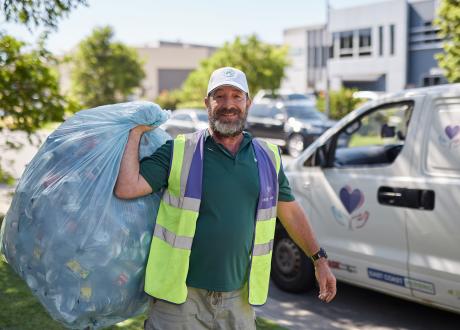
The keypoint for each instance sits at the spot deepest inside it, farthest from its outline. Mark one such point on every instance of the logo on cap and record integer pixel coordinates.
(229, 73)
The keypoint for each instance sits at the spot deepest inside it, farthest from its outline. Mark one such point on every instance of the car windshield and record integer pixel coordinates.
(202, 116)
(305, 112)
(296, 97)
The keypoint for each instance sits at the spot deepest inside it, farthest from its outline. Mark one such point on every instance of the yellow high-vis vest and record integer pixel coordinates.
(168, 261)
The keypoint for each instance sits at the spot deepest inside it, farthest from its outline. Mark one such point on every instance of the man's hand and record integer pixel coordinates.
(130, 184)
(141, 129)
(326, 280)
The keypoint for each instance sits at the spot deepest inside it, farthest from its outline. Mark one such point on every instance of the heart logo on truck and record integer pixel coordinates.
(351, 199)
(452, 131)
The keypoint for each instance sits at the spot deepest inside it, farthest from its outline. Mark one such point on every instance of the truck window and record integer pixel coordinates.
(443, 147)
(375, 138)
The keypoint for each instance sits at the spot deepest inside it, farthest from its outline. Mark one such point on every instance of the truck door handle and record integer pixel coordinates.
(404, 197)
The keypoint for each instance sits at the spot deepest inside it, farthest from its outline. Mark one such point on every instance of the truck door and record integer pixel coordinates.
(433, 222)
(351, 199)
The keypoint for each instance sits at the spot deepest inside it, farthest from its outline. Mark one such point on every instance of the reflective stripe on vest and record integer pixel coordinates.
(168, 262)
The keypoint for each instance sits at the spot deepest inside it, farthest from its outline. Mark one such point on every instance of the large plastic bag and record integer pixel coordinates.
(81, 250)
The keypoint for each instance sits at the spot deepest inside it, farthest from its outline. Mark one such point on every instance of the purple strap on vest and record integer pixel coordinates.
(268, 194)
(195, 177)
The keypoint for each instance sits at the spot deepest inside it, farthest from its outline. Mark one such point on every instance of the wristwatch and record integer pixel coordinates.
(320, 254)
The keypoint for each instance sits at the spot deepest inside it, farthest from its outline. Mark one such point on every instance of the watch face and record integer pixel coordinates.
(320, 254)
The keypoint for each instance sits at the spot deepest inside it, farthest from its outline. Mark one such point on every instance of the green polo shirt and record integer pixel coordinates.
(225, 227)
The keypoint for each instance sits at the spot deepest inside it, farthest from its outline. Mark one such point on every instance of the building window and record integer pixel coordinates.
(424, 37)
(365, 42)
(325, 56)
(430, 30)
(392, 39)
(380, 40)
(316, 57)
(334, 46)
(346, 44)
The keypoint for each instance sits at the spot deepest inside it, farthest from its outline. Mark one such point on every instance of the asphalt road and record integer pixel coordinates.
(353, 308)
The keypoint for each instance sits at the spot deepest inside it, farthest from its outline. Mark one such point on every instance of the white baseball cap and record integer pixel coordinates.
(228, 76)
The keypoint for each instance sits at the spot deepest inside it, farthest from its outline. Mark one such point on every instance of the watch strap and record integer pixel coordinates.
(320, 254)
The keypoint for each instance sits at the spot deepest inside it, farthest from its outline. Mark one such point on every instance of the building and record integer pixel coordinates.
(308, 53)
(167, 65)
(386, 46)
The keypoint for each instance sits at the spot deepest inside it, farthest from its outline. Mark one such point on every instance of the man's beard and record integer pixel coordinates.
(224, 127)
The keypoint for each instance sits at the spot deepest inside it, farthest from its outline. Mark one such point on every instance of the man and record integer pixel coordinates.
(211, 248)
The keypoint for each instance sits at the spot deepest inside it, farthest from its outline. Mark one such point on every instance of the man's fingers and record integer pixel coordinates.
(327, 289)
(326, 282)
(331, 294)
(331, 289)
(143, 128)
(322, 289)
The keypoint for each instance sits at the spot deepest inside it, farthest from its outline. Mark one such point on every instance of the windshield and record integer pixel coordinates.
(305, 112)
(296, 97)
(202, 116)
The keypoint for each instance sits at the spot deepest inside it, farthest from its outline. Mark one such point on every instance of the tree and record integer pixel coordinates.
(29, 95)
(341, 102)
(449, 23)
(38, 12)
(29, 91)
(262, 63)
(168, 99)
(104, 71)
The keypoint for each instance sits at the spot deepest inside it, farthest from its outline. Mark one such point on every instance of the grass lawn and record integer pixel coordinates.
(359, 140)
(20, 310)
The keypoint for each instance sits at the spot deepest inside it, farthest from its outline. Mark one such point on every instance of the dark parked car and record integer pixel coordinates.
(264, 96)
(292, 126)
(185, 121)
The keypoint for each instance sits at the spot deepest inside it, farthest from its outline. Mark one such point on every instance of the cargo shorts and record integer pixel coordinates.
(203, 309)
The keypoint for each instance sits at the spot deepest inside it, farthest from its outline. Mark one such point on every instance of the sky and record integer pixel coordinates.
(207, 22)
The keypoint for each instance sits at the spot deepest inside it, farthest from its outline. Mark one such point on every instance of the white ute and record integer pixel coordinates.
(385, 200)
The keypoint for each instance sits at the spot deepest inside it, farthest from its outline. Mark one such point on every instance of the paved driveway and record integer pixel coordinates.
(353, 308)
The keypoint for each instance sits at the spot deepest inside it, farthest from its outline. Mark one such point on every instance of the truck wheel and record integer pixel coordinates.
(292, 270)
(295, 145)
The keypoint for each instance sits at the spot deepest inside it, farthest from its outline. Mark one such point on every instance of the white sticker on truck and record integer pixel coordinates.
(403, 281)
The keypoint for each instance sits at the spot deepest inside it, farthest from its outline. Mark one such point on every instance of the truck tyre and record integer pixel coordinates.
(295, 145)
(292, 270)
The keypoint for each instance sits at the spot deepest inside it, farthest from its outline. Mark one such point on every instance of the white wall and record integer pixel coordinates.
(372, 16)
(296, 73)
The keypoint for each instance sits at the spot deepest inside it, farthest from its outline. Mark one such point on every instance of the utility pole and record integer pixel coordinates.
(329, 41)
